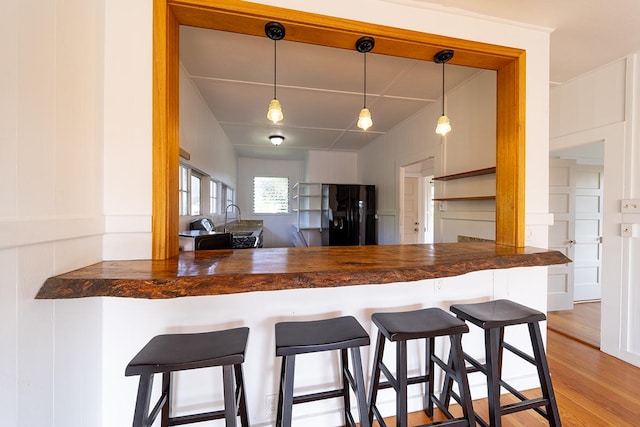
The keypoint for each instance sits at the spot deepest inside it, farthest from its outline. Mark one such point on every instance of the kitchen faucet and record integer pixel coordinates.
(226, 210)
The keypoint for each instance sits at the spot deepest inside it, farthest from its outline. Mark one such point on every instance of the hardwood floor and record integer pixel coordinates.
(582, 323)
(592, 388)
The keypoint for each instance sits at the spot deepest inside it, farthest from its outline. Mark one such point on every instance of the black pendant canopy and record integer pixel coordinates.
(274, 30)
(365, 44)
(443, 56)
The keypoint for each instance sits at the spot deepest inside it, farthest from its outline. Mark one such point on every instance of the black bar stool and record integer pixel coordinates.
(340, 333)
(401, 327)
(178, 352)
(493, 317)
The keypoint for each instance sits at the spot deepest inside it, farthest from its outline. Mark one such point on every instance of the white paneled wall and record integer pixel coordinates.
(51, 208)
(602, 106)
(202, 137)
(471, 145)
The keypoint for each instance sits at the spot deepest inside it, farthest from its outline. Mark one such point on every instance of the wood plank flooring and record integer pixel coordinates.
(582, 323)
(592, 388)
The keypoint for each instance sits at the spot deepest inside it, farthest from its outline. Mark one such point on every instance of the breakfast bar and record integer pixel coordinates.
(212, 290)
(220, 272)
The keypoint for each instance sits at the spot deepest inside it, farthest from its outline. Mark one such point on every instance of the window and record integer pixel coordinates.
(214, 198)
(190, 191)
(184, 190)
(228, 195)
(270, 194)
(195, 194)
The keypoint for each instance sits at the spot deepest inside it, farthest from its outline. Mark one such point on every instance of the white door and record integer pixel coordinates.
(427, 220)
(411, 215)
(561, 233)
(587, 261)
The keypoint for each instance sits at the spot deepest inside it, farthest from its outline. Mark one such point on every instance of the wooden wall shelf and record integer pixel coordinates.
(468, 174)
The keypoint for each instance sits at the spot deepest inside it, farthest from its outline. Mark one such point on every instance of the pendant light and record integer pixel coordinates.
(444, 125)
(364, 45)
(275, 31)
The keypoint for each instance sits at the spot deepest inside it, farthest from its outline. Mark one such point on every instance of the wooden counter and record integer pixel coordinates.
(250, 270)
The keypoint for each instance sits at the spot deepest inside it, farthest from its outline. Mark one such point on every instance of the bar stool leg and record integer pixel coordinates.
(375, 375)
(361, 397)
(241, 395)
(429, 367)
(543, 375)
(492, 349)
(143, 401)
(166, 389)
(401, 381)
(229, 396)
(285, 399)
(458, 364)
(346, 397)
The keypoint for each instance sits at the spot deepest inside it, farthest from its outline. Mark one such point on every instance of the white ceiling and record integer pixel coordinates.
(586, 33)
(321, 88)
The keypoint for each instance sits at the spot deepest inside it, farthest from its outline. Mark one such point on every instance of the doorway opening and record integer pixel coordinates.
(576, 194)
(416, 223)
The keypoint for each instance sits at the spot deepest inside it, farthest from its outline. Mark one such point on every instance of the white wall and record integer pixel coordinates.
(471, 145)
(277, 228)
(330, 167)
(127, 75)
(202, 137)
(601, 106)
(51, 208)
(76, 161)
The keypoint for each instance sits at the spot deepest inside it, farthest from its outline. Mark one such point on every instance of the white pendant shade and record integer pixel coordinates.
(364, 119)
(444, 125)
(275, 111)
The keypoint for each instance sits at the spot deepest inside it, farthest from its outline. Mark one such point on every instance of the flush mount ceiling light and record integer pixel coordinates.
(444, 125)
(364, 45)
(276, 139)
(275, 31)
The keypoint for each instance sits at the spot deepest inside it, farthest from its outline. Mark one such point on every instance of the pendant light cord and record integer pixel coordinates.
(275, 67)
(365, 81)
(443, 88)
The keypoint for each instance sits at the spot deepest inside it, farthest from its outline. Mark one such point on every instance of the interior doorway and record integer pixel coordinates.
(576, 193)
(416, 223)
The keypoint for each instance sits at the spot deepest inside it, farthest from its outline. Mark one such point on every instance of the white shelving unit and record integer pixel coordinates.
(310, 206)
(307, 204)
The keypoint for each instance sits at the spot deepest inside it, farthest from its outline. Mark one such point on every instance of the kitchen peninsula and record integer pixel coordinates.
(211, 290)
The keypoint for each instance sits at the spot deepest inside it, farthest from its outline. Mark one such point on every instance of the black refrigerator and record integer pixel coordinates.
(349, 215)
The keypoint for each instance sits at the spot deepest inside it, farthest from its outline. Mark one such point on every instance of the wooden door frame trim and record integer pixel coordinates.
(250, 18)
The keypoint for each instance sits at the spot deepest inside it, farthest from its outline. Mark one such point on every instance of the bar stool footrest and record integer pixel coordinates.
(410, 381)
(196, 418)
(312, 397)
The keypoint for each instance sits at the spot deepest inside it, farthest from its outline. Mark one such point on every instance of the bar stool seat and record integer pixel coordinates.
(178, 352)
(493, 317)
(400, 327)
(301, 337)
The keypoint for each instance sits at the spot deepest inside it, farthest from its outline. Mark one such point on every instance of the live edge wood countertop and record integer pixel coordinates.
(249, 270)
